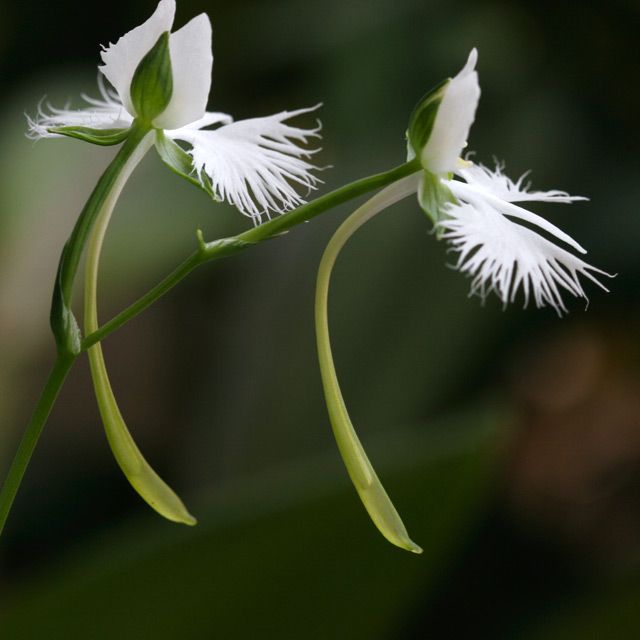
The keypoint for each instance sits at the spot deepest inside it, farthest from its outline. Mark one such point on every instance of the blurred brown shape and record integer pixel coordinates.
(576, 463)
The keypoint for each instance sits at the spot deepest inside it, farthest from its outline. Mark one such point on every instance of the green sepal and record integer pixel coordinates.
(63, 323)
(181, 163)
(433, 196)
(422, 118)
(102, 137)
(152, 83)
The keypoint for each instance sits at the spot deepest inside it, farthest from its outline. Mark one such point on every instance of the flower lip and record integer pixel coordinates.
(499, 184)
(491, 192)
(254, 163)
(504, 256)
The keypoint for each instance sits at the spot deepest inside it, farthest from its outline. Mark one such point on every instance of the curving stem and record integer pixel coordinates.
(370, 489)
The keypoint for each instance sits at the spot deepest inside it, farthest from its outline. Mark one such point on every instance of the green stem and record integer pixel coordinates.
(142, 303)
(62, 321)
(103, 190)
(328, 201)
(137, 470)
(361, 472)
(32, 434)
(229, 246)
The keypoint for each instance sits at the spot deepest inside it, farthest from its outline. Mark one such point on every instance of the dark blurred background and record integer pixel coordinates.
(509, 439)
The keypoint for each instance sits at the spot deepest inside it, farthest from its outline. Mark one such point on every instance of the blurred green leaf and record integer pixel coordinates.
(292, 552)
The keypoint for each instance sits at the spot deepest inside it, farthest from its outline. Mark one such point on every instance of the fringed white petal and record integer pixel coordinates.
(500, 185)
(453, 120)
(503, 256)
(254, 164)
(122, 58)
(208, 119)
(477, 194)
(191, 63)
(105, 112)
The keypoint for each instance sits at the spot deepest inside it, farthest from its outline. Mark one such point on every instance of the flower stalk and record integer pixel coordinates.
(225, 247)
(31, 435)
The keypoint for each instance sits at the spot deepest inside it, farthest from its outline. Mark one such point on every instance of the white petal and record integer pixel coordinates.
(500, 185)
(453, 120)
(105, 112)
(253, 164)
(122, 58)
(208, 119)
(477, 195)
(191, 63)
(503, 256)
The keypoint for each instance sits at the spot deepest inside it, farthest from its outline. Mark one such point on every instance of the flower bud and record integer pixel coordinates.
(152, 83)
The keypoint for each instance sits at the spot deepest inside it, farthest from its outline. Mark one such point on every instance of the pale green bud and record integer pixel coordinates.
(152, 83)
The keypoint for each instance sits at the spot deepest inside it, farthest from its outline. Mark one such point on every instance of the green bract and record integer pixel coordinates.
(433, 195)
(152, 84)
(62, 320)
(181, 163)
(423, 116)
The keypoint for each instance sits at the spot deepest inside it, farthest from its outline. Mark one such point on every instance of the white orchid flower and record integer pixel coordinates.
(154, 87)
(474, 209)
(476, 212)
(253, 164)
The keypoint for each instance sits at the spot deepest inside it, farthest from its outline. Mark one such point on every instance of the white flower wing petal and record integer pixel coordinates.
(500, 185)
(208, 119)
(503, 256)
(477, 195)
(191, 63)
(122, 58)
(453, 120)
(254, 164)
(105, 112)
